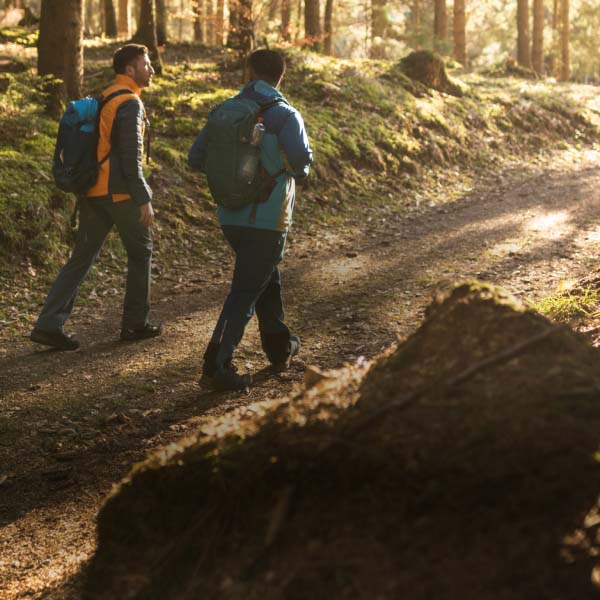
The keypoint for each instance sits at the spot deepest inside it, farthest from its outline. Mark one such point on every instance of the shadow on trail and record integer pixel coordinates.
(314, 291)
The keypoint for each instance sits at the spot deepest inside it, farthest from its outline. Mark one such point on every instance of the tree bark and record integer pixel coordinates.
(210, 22)
(60, 47)
(110, 19)
(328, 27)
(460, 32)
(146, 33)
(241, 27)
(312, 24)
(523, 47)
(537, 48)
(378, 18)
(198, 22)
(124, 18)
(440, 24)
(286, 20)
(161, 22)
(299, 20)
(273, 9)
(565, 50)
(220, 23)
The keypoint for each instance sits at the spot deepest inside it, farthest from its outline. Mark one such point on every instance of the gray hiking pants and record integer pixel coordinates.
(96, 218)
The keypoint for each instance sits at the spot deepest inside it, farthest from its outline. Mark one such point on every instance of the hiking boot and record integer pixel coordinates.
(55, 339)
(228, 379)
(149, 330)
(293, 349)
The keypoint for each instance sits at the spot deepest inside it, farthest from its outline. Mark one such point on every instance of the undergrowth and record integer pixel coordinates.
(565, 306)
(381, 142)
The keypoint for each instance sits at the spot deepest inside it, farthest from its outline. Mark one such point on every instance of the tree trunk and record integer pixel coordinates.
(88, 17)
(460, 32)
(537, 48)
(233, 36)
(378, 18)
(241, 27)
(210, 22)
(523, 47)
(110, 19)
(312, 24)
(198, 21)
(416, 22)
(440, 24)
(565, 54)
(246, 27)
(60, 47)
(124, 18)
(286, 20)
(161, 22)
(273, 9)
(220, 23)
(328, 43)
(299, 17)
(146, 33)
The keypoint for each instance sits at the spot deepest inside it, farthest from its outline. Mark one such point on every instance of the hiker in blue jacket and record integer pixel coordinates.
(257, 232)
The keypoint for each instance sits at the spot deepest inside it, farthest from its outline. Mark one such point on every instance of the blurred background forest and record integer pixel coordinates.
(555, 38)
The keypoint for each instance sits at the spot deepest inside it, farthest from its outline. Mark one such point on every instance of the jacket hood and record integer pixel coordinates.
(261, 91)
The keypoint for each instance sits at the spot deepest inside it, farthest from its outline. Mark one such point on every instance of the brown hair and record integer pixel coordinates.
(126, 56)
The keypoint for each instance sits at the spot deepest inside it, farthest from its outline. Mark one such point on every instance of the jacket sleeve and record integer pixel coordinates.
(197, 153)
(130, 148)
(294, 141)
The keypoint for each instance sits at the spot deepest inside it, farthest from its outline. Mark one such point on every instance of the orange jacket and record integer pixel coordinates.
(121, 146)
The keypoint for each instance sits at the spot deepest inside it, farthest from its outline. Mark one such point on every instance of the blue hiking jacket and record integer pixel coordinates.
(284, 146)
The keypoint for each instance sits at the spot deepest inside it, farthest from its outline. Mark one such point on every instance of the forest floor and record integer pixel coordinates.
(72, 424)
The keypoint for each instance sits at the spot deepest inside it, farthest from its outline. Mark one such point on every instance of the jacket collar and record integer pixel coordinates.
(127, 82)
(260, 91)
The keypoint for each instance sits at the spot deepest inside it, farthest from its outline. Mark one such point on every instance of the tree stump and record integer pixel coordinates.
(430, 70)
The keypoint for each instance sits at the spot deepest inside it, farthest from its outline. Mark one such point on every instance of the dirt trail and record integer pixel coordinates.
(72, 424)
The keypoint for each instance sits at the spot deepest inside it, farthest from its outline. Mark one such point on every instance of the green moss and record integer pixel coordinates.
(24, 36)
(372, 130)
(564, 306)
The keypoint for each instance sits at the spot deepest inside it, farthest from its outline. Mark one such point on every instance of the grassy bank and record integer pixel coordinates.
(382, 142)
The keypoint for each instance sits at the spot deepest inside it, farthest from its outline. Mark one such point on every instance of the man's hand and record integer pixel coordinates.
(147, 214)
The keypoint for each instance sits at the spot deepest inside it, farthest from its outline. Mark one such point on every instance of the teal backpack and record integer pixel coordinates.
(228, 134)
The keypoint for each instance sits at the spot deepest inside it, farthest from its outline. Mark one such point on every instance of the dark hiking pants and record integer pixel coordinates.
(96, 218)
(256, 287)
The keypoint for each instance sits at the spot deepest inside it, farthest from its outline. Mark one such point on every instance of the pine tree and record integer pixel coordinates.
(146, 33)
(60, 47)
(523, 46)
(198, 22)
(460, 32)
(110, 19)
(537, 48)
(312, 23)
(440, 24)
(565, 50)
(124, 18)
(286, 20)
(328, 27)
(161, 22)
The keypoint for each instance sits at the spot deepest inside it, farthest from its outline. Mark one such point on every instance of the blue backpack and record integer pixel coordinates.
(75, 166)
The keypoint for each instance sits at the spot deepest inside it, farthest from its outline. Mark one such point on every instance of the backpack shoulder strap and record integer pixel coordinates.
(267, 105)
(102, 102)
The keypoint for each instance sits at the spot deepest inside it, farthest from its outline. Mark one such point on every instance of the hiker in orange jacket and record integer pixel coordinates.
(122, 197)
